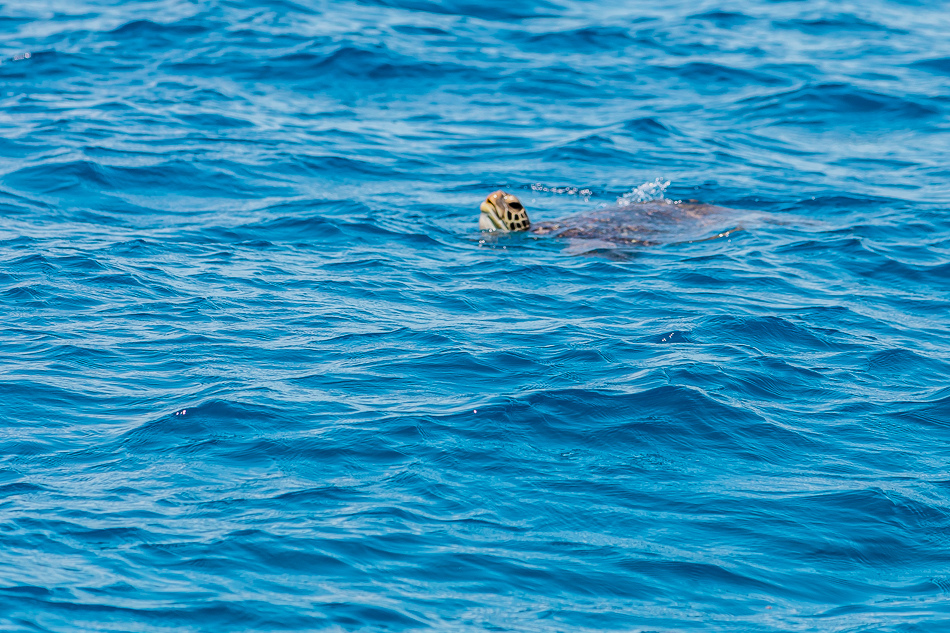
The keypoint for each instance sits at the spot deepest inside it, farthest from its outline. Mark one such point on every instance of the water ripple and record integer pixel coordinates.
(263, 372)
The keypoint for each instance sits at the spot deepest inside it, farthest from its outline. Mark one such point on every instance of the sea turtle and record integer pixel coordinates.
(636, 223)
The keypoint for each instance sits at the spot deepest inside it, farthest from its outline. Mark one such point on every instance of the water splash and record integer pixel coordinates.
(646, 192)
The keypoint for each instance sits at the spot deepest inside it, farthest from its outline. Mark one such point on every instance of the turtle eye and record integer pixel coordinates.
(516, 205)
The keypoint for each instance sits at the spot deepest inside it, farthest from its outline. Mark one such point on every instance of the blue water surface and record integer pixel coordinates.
(261, 371)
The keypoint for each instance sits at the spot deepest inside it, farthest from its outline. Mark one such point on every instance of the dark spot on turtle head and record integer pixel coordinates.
(516, 205)
(509, 215)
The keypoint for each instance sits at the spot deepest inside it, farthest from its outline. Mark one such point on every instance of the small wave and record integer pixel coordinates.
(143, 33)
(905, 366)
(840, 103)
(648, 129)
(84, 177)
(512, 10)
(940, 65)
(581, 40)
(723, 19)
(837, 25)
(327, 69)
(708, 77)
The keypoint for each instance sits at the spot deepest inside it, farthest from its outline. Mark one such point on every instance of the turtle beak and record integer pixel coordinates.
(491, 217)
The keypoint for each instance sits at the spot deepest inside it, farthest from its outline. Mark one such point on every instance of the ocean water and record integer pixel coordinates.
(261, 371)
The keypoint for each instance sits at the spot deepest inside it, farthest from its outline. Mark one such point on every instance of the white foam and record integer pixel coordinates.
(646, 192)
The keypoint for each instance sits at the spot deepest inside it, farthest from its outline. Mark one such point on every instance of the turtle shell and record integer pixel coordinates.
(654, 222)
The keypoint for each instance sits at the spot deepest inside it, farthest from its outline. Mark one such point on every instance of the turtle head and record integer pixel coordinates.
(503, 212)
